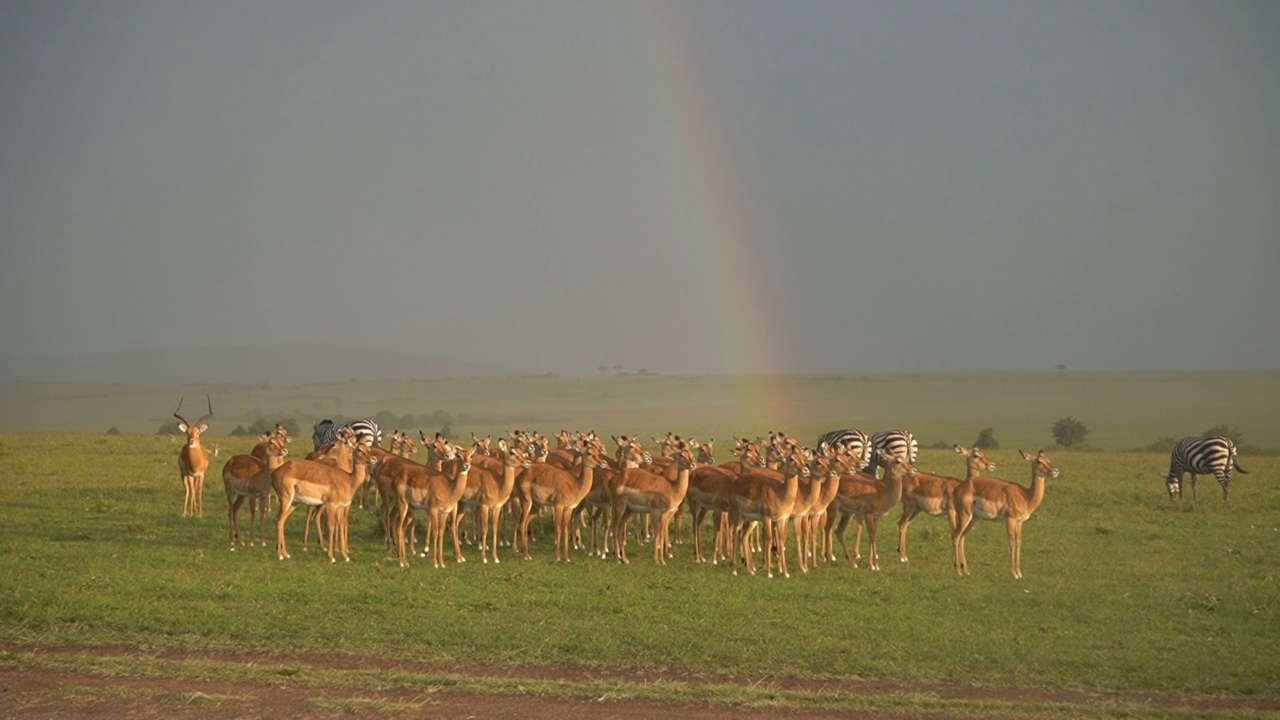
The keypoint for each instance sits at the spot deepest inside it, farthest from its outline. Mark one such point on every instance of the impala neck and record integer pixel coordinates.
(1035, 493)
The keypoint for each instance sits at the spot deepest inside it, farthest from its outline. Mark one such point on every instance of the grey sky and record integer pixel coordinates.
(551, 186)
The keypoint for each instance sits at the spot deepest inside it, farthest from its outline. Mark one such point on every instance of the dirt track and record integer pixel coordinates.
(32, 685)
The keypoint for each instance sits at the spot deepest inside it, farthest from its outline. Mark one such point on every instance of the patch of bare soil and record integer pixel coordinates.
(37, 691)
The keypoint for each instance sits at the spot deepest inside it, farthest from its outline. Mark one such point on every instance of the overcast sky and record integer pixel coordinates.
(688, 188)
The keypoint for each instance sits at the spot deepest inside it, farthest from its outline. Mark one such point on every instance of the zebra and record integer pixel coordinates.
(325, 432)
(1210, 455)
(893, 443)
(855, 441)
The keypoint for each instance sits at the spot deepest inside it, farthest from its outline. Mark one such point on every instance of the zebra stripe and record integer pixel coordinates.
(1212, 455)
(326, 432)
(894, 443)
(855, 441)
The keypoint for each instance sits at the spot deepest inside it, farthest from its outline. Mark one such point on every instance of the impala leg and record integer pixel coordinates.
(782, 547)
(840, 535)
(286, 509)
(1015, 547)
(457, 546)
(903, 523)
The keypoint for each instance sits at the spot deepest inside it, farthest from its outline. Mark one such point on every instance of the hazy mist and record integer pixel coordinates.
(686, 188)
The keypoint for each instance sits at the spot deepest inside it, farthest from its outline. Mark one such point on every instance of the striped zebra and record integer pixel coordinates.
(855, 441)
(325, 432)
(893, 443)
(1212, 455)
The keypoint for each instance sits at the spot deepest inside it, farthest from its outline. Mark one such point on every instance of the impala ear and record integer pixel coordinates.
(182, 427)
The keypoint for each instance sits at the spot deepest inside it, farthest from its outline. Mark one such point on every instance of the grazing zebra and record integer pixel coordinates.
(893, 443)
(855, 441)
(1212, 455)
(325, 432)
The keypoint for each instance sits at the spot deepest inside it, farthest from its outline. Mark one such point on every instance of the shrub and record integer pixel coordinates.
(987, 439)
(113, 430)
(1069, 431)
(170, 427)
(1163, 445)
(1227, 431)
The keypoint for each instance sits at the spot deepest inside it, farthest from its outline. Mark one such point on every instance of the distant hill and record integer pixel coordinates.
(281, 364)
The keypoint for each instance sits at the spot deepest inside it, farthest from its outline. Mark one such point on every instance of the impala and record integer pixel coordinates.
(994, 499)
(598, 504)
(931, 494)
(545, 485)
(708, 492)
(245, 477)
(312, 483)
(759, 496)
(866, 499)
(260, 450)
(812, 503)
(643, 492)
(492, 491)
(193, 461)
(435, 491)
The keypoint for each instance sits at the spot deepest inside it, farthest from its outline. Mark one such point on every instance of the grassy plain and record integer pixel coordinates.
(1123, 411)
(1124, 590)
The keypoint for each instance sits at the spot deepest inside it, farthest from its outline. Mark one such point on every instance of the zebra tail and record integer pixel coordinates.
(1239, 469)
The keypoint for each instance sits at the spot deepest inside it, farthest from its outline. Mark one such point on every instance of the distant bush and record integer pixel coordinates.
(239, 431)
(1227, 431)
(113, 430)
(1069, 431)
(170, 427)
(987, 439)
(1163, 445)
(940, 445)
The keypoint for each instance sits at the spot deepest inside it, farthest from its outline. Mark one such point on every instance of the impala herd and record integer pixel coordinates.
(771, 484)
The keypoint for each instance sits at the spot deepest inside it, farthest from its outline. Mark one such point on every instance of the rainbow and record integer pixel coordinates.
(722, 200)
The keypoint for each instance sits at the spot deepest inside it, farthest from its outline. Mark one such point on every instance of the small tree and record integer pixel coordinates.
(987, 439)
(1069, 431)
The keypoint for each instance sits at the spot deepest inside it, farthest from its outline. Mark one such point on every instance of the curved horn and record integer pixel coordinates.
(175, 412)
(202, 420)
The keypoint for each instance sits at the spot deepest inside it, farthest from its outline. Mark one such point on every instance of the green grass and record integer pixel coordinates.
(1124, 590)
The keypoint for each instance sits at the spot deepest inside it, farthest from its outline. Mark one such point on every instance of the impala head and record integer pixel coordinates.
(481, 444)
(275, 446)
(1040, 464)
(463, 456)
(513, 456)
(795, 460)
(193, 430)
(977, 459)
(683, 454)
(407, 445)
(893, 464)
